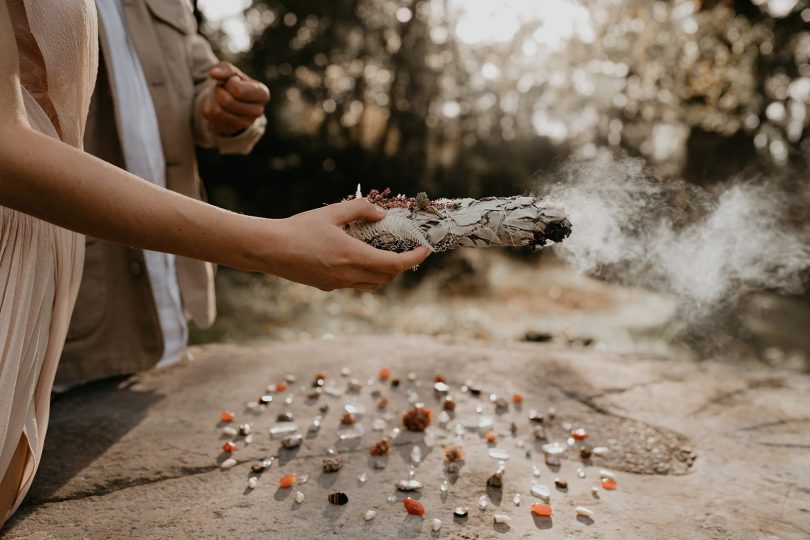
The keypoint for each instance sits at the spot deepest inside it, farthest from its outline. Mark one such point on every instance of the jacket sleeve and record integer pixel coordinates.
(202, 60)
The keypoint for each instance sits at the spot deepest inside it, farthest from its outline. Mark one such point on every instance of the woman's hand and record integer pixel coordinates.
(312, 248)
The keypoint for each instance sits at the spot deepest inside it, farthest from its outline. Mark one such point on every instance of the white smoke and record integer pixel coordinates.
(707, 248)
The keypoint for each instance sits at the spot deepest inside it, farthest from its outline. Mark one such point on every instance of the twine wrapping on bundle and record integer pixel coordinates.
(446, 224)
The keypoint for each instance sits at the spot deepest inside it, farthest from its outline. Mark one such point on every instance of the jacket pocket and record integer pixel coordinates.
(88, 313)
(172, 12)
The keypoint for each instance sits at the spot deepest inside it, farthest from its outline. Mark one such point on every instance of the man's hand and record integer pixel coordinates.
(312, 248)
(236, 102)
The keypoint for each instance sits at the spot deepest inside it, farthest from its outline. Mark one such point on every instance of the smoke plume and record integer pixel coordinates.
(708, 248)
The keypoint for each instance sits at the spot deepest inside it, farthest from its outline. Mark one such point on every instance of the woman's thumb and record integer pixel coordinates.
(357, 210)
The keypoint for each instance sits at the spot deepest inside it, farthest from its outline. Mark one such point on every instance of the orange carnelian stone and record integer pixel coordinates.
(384, 373)
(227, 416)
(440, 378)
(541, 510)
(517, 398)
(609, 483)
(491, 437)
(288, 481)
(229, 447)
(413, 506)
(281, 387)
(579, 434)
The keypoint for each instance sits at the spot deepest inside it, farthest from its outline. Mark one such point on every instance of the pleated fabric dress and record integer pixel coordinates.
(41, 264)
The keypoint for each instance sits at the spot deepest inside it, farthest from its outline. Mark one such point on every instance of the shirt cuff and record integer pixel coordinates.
(244, 142)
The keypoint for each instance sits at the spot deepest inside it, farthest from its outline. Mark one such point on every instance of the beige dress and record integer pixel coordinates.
(40, 264)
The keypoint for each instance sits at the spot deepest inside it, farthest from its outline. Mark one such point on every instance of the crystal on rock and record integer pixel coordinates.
(501, 519)
(262, 465)
(392, 499)
(299, 497)
(229, 431)
(333, 391)
(540, 491)
(482, 502)
(601, 451)
(292, 441)
(604, 473)
(228, 463)
(435, 524)
(370, 514)
(444, 486)
(378, 424)
(357, 410)
(441, 388)
(409, 485)
(362, 478)
(416, 454)
(245, 429)
(283, 429)
(248, 439)
(580, 472)
(253, 481)
(584, 512)
(496, 453)
(443, 417)
(355, 433)
(535, 470)
(516, 499)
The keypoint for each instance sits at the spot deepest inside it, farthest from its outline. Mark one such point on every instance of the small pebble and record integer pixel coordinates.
(299, 497)
(253, 482)
(540, 491)
(498, 454)
(444, 486)
(265, 399)
(561, 484)
(595, 491)
(496, 480)
(229, 431)
(228, 463)
(516, 499)
(581, 472)
(409, 485)
(345, 371)
(285, 417)
(584, 512)
(332, 464)
(370, 514)
(601, 451)
(227, 416)
(535, 470)
(535, 416)
(541, 510)
(362, 478)
(413, 507)
(229, 447)
(262, 465)
(245, 429)
(248, 439)
(461, 512)
(604, 473)
(435, 524)
(501, 519)
(338, 498)
(292, 441)
(482, 502)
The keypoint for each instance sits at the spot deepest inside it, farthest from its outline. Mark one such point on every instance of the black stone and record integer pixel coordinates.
(338, 497)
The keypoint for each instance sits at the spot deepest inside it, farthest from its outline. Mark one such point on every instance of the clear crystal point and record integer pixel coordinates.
(416, 454)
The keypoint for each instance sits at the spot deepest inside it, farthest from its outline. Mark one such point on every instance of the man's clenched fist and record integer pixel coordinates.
(236, 102)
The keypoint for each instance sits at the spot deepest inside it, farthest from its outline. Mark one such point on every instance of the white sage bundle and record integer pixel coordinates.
(447, 224)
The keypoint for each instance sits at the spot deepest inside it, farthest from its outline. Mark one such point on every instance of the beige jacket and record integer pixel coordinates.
(115, 329)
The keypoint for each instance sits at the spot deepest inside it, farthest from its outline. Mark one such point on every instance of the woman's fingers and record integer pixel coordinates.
(389, 262)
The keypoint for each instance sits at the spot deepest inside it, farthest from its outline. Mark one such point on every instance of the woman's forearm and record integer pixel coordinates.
(65, 186)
